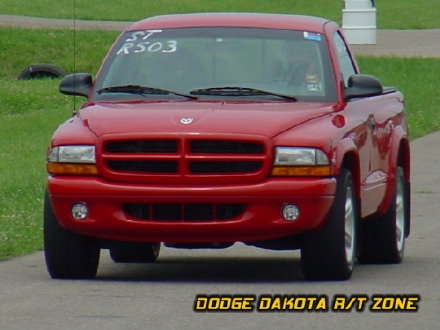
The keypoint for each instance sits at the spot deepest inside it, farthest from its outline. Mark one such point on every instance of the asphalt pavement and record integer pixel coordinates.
(161, 296)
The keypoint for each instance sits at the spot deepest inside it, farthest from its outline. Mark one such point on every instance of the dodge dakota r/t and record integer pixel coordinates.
(203, 130)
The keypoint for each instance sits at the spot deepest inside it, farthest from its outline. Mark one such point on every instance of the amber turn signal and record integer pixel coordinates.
(319, 170)
(72, 169)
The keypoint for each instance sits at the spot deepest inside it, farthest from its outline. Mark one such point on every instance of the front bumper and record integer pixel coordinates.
(261, 219)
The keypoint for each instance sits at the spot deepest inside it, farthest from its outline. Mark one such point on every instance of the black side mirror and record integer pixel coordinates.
(76, 84)
(362, 85)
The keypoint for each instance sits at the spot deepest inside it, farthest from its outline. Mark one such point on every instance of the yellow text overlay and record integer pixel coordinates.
(306, 303)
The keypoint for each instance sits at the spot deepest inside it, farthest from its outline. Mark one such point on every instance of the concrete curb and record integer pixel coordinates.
(403, 43)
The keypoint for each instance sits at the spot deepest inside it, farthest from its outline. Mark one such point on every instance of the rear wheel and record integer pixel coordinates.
(329, 254)
(130, 252)
(68, 255)
(383, 238)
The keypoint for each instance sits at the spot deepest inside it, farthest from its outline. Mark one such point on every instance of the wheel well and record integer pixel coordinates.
(403, 158)
(351, 163)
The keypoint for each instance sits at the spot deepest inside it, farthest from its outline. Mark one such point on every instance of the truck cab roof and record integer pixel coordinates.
(274, 21)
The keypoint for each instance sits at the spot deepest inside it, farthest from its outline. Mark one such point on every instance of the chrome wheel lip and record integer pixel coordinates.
(349, 236)
(400, 215)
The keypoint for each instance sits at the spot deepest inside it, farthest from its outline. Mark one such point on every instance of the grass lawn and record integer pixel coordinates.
(392, 14)
(20, 49)
(31, 110)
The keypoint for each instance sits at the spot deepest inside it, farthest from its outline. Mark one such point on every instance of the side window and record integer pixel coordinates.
(345, 62)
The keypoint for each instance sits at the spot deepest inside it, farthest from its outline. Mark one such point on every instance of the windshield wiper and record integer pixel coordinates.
(239, 91)
(142, 90)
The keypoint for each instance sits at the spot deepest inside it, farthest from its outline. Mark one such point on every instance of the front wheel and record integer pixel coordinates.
(68, 255)
(329, 253)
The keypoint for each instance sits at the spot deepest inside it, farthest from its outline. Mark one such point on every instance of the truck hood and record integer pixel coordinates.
(259, 118)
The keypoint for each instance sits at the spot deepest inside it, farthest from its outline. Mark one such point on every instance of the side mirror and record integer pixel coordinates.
(362, 85)
(76, 84)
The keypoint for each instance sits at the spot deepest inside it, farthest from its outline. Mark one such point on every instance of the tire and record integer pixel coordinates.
(383, 238)
(329, 253)
(39, 71)
(68, 255)
(135, 252)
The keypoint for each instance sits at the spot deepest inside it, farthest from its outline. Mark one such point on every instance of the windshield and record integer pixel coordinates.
(210, 62)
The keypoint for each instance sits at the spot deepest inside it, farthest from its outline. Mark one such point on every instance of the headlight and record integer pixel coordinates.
(292, 156)
(72, 160)
(298, 161)
(72, 154)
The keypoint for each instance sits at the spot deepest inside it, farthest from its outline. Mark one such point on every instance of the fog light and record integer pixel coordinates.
(290, 212)
(80, 211)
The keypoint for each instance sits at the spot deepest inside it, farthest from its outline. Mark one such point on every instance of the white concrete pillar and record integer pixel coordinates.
(359, 21)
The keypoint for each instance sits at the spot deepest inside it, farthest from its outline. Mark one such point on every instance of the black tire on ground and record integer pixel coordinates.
(329, 253)
(131, 252)
(68, 255)
(39, 71)
(382, 239)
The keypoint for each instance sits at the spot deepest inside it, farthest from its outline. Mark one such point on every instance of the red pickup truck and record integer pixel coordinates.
(202, 130)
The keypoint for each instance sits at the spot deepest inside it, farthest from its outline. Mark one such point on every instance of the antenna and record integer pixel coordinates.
(74, 49)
